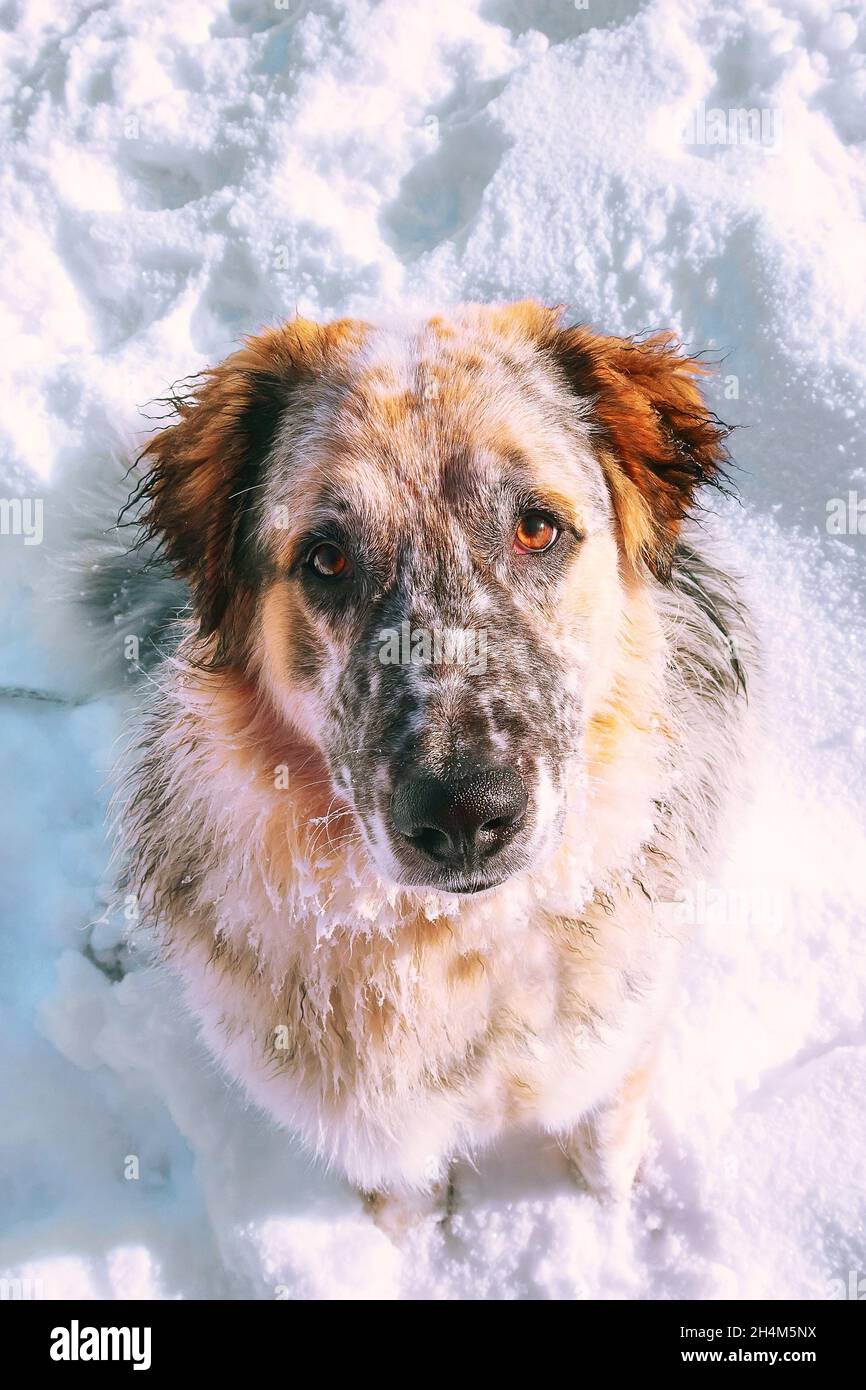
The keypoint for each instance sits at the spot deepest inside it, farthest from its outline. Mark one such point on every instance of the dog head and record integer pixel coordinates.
(418, 543)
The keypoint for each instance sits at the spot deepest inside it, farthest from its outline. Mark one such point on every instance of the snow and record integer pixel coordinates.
(177, 175)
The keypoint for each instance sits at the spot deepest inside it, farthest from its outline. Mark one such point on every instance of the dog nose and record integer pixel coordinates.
(462, 819)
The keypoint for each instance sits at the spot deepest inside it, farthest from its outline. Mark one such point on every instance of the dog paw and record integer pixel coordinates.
(609, 1178)
(398, 1214)
(608, 1169)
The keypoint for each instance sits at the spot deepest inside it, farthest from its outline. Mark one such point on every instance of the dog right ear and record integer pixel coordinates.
(661, 442)
(203, 469)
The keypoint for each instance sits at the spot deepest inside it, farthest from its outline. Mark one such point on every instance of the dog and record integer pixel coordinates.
(418, 899)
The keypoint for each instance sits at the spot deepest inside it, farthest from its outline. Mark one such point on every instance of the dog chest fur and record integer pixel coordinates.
(394, 1030)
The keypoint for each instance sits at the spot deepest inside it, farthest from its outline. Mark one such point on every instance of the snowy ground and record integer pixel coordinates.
(178, 174)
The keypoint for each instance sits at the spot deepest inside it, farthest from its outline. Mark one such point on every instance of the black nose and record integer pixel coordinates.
(463, 819)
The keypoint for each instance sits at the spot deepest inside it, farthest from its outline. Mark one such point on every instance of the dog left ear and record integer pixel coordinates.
(660, 442)
(199, 490)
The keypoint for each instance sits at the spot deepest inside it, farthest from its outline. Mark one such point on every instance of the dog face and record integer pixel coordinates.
(418, 542)
(448, 565)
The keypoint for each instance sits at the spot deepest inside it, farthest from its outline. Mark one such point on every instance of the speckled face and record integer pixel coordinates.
(443, 595)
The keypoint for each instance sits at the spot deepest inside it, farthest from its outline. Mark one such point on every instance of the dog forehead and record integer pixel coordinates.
(455, 378)
(423, 416)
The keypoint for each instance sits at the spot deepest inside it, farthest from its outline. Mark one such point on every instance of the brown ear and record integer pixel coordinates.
(660, 443)
(203, 470)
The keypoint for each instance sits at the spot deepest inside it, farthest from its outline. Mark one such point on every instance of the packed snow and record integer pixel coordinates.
(177, 175)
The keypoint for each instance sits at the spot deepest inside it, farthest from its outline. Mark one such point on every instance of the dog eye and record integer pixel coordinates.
(535, 532)
(328, 561)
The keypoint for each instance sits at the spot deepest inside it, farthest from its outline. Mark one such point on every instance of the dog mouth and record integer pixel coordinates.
(455, 885)
(469, 890)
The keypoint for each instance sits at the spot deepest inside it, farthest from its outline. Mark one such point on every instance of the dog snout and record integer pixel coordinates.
(459, 820)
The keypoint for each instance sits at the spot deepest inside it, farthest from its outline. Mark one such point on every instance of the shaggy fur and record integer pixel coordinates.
(395, 1011)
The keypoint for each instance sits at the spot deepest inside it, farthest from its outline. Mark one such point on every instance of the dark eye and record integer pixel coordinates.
(535, 532)
(328, 561)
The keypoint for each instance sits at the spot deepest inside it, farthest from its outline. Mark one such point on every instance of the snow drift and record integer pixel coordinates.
(177, 175)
